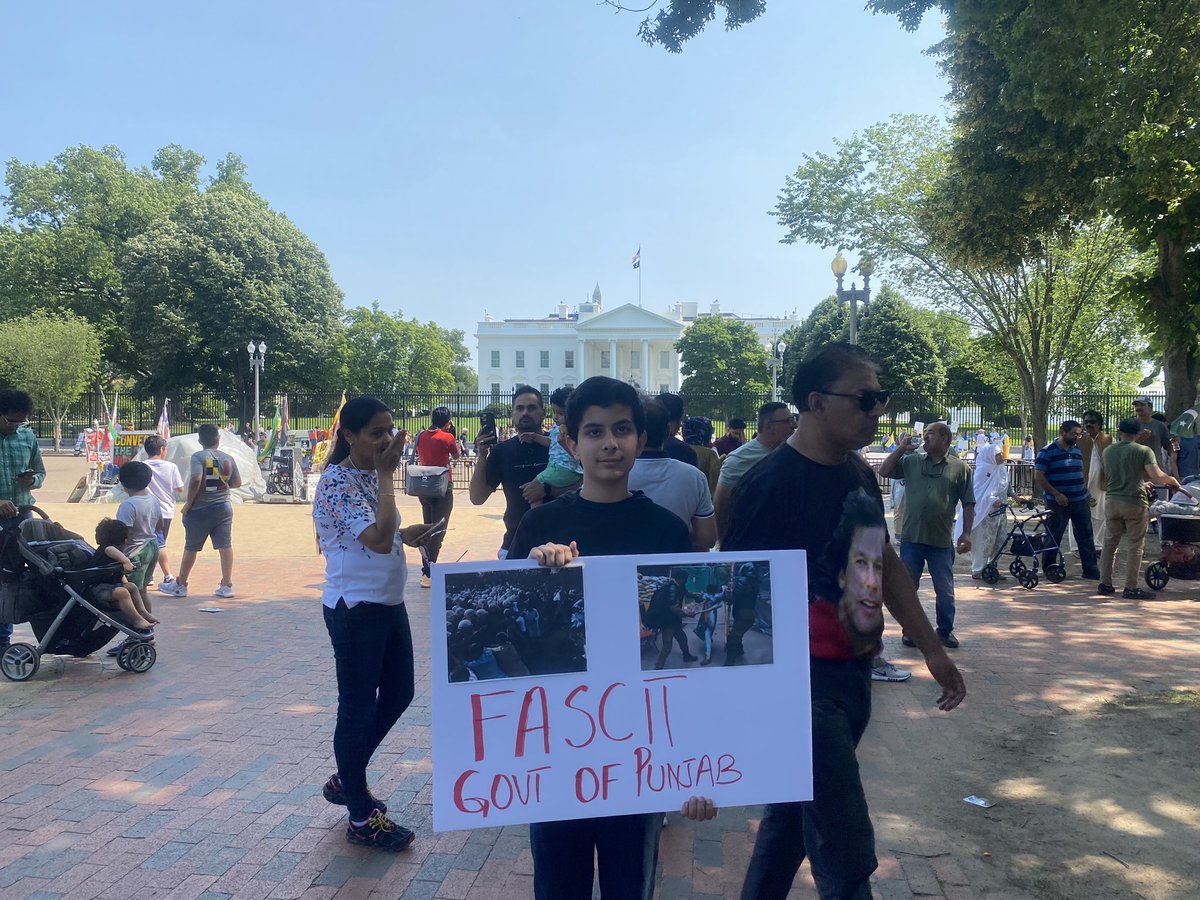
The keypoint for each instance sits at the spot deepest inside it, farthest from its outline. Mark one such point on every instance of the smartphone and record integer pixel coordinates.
(487, 421)
(440, 523)
(28, 473)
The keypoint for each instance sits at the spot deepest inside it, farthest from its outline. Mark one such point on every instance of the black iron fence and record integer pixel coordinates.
(309, 410)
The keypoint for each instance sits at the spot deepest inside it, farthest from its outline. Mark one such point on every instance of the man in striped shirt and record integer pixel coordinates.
(1058, 471)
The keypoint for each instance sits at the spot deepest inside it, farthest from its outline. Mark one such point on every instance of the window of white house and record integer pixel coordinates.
(605, 361)
(520, 359)
(495, 393)
(635, 359)
(545, 389)
(569, 359)
(495, 359)
(544, 359)
(664, 359)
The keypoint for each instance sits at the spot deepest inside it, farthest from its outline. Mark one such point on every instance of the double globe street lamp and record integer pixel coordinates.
(258, 362)
(865, 268)
(775, 349)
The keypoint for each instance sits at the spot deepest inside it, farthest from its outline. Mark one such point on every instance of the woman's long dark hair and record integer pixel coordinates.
(356, 415)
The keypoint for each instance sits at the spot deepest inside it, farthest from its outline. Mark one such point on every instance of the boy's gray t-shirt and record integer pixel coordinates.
(215, 468)
(142, 515)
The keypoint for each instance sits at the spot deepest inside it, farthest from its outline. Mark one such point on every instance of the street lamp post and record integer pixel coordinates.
(775, 349)
(865, 268)
(258, 362)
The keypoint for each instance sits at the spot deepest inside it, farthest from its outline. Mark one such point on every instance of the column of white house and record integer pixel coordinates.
(646, 380)
(580, 356)
(613, 368)
(675, 366)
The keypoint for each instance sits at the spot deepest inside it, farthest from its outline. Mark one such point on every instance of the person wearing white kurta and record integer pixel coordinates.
(991, 489)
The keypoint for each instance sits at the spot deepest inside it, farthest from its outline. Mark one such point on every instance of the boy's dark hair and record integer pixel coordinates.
(821, 370)
(656, 423)
(859, 510)
(111, 532)
(600, 390)
(735, 422)
(210, 436)
(527, 389)
(560, 396)
(767, 410)
(153, 445)
(673, 404)
(440, 417)
(12, 400)
(135, 476)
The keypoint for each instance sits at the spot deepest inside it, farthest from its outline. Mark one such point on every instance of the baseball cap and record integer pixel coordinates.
(1146, 400)
(1130, 426)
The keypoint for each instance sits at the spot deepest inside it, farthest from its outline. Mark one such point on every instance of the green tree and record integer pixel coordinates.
(220, 270)
(53, 358)
(1061, 110)
(874, 193)
(681, 20)
(721, 356)
(466, 379)
(825, 324)
(388, 354)
(897, 338)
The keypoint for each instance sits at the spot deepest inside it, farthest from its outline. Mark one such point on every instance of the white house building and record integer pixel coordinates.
(629, 342)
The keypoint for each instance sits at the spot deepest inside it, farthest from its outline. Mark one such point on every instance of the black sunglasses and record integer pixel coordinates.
(867, 400)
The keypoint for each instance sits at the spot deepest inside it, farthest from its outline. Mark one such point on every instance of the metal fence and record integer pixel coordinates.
(310, 410)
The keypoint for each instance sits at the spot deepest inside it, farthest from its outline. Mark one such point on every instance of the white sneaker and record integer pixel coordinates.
(224, 590)
(173, 588)
(885, 671)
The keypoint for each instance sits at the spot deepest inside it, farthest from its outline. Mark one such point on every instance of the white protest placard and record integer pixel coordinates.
(553, 696)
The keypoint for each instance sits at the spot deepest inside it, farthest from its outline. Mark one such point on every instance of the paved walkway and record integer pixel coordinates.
(202, 777)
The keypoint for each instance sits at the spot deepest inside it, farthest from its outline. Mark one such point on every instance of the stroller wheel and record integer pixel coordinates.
(1029, 580)
(20, 662)
(137, 656)
(1056, 572)
(1156, 576)
(990, 573)
(1017, 568)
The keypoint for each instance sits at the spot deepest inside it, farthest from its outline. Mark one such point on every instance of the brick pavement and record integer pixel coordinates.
(202, 778)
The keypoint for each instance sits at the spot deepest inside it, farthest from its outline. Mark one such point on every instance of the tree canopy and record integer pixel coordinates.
(390, 354)
(681, 20)
(722, 356)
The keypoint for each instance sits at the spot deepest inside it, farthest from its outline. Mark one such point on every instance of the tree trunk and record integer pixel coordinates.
(57, 417)
(1039, 412)
(1172, 306)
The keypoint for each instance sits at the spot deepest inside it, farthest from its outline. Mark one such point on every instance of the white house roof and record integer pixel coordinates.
(628, 317)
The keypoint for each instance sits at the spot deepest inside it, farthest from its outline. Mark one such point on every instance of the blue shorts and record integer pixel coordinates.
(164, 528)
(204, 522)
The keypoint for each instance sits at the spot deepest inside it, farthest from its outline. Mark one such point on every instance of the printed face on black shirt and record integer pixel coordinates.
(861, 581)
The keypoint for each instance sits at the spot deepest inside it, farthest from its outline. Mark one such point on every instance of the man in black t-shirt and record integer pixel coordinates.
(793, 500)
(512, 463)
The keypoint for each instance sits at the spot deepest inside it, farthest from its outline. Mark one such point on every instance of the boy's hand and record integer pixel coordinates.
(533, 491)
(698, 809)
(554, 555)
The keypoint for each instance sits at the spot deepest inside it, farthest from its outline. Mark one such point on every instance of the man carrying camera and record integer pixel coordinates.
(512, 463)
(21, 468)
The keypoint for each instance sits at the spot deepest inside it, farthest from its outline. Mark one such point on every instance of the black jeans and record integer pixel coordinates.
(1079, 514)
(833, 829)
(625, 848)
(432, 509)
(373, 651)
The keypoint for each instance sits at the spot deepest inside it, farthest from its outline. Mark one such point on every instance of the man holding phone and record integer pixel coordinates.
(512, 463)
(21, 468)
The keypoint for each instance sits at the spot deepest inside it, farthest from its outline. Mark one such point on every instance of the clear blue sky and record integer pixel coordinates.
(455, 156)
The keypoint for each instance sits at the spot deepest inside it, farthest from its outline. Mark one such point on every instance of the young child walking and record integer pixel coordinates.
(111, 539)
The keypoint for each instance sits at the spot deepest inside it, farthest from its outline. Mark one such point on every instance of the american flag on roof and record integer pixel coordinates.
(164, 421)
(637, 258)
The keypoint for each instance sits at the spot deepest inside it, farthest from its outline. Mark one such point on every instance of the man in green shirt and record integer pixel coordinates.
(935, 483)
(21, 468)
(1127, 465)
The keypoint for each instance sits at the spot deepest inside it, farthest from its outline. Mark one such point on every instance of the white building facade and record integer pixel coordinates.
(628, 343)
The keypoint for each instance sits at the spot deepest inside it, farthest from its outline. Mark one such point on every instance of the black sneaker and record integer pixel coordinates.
(1103, 588)
(380, 832)
(949, 640)
(333, 793)
(907, 641)
(1138, 594)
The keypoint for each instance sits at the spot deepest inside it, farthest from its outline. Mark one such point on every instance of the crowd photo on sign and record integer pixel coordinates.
(522, 622)
(721, 611)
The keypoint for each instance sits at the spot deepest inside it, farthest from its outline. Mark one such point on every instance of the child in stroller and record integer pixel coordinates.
(111, 538)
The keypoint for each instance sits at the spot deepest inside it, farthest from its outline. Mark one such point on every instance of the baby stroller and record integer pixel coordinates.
(45, 580)
(1030, 537)
(1179, 533)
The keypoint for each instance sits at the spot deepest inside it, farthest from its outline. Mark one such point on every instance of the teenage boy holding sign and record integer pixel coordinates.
(606, 433)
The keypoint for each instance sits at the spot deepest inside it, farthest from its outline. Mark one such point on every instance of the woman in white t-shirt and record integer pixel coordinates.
(358, 528)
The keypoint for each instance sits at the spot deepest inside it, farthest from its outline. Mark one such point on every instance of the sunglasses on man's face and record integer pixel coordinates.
(867, 400)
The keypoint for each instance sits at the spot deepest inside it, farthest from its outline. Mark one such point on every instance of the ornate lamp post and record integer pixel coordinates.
(865, 268)
(775, 349)
(258, 362)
